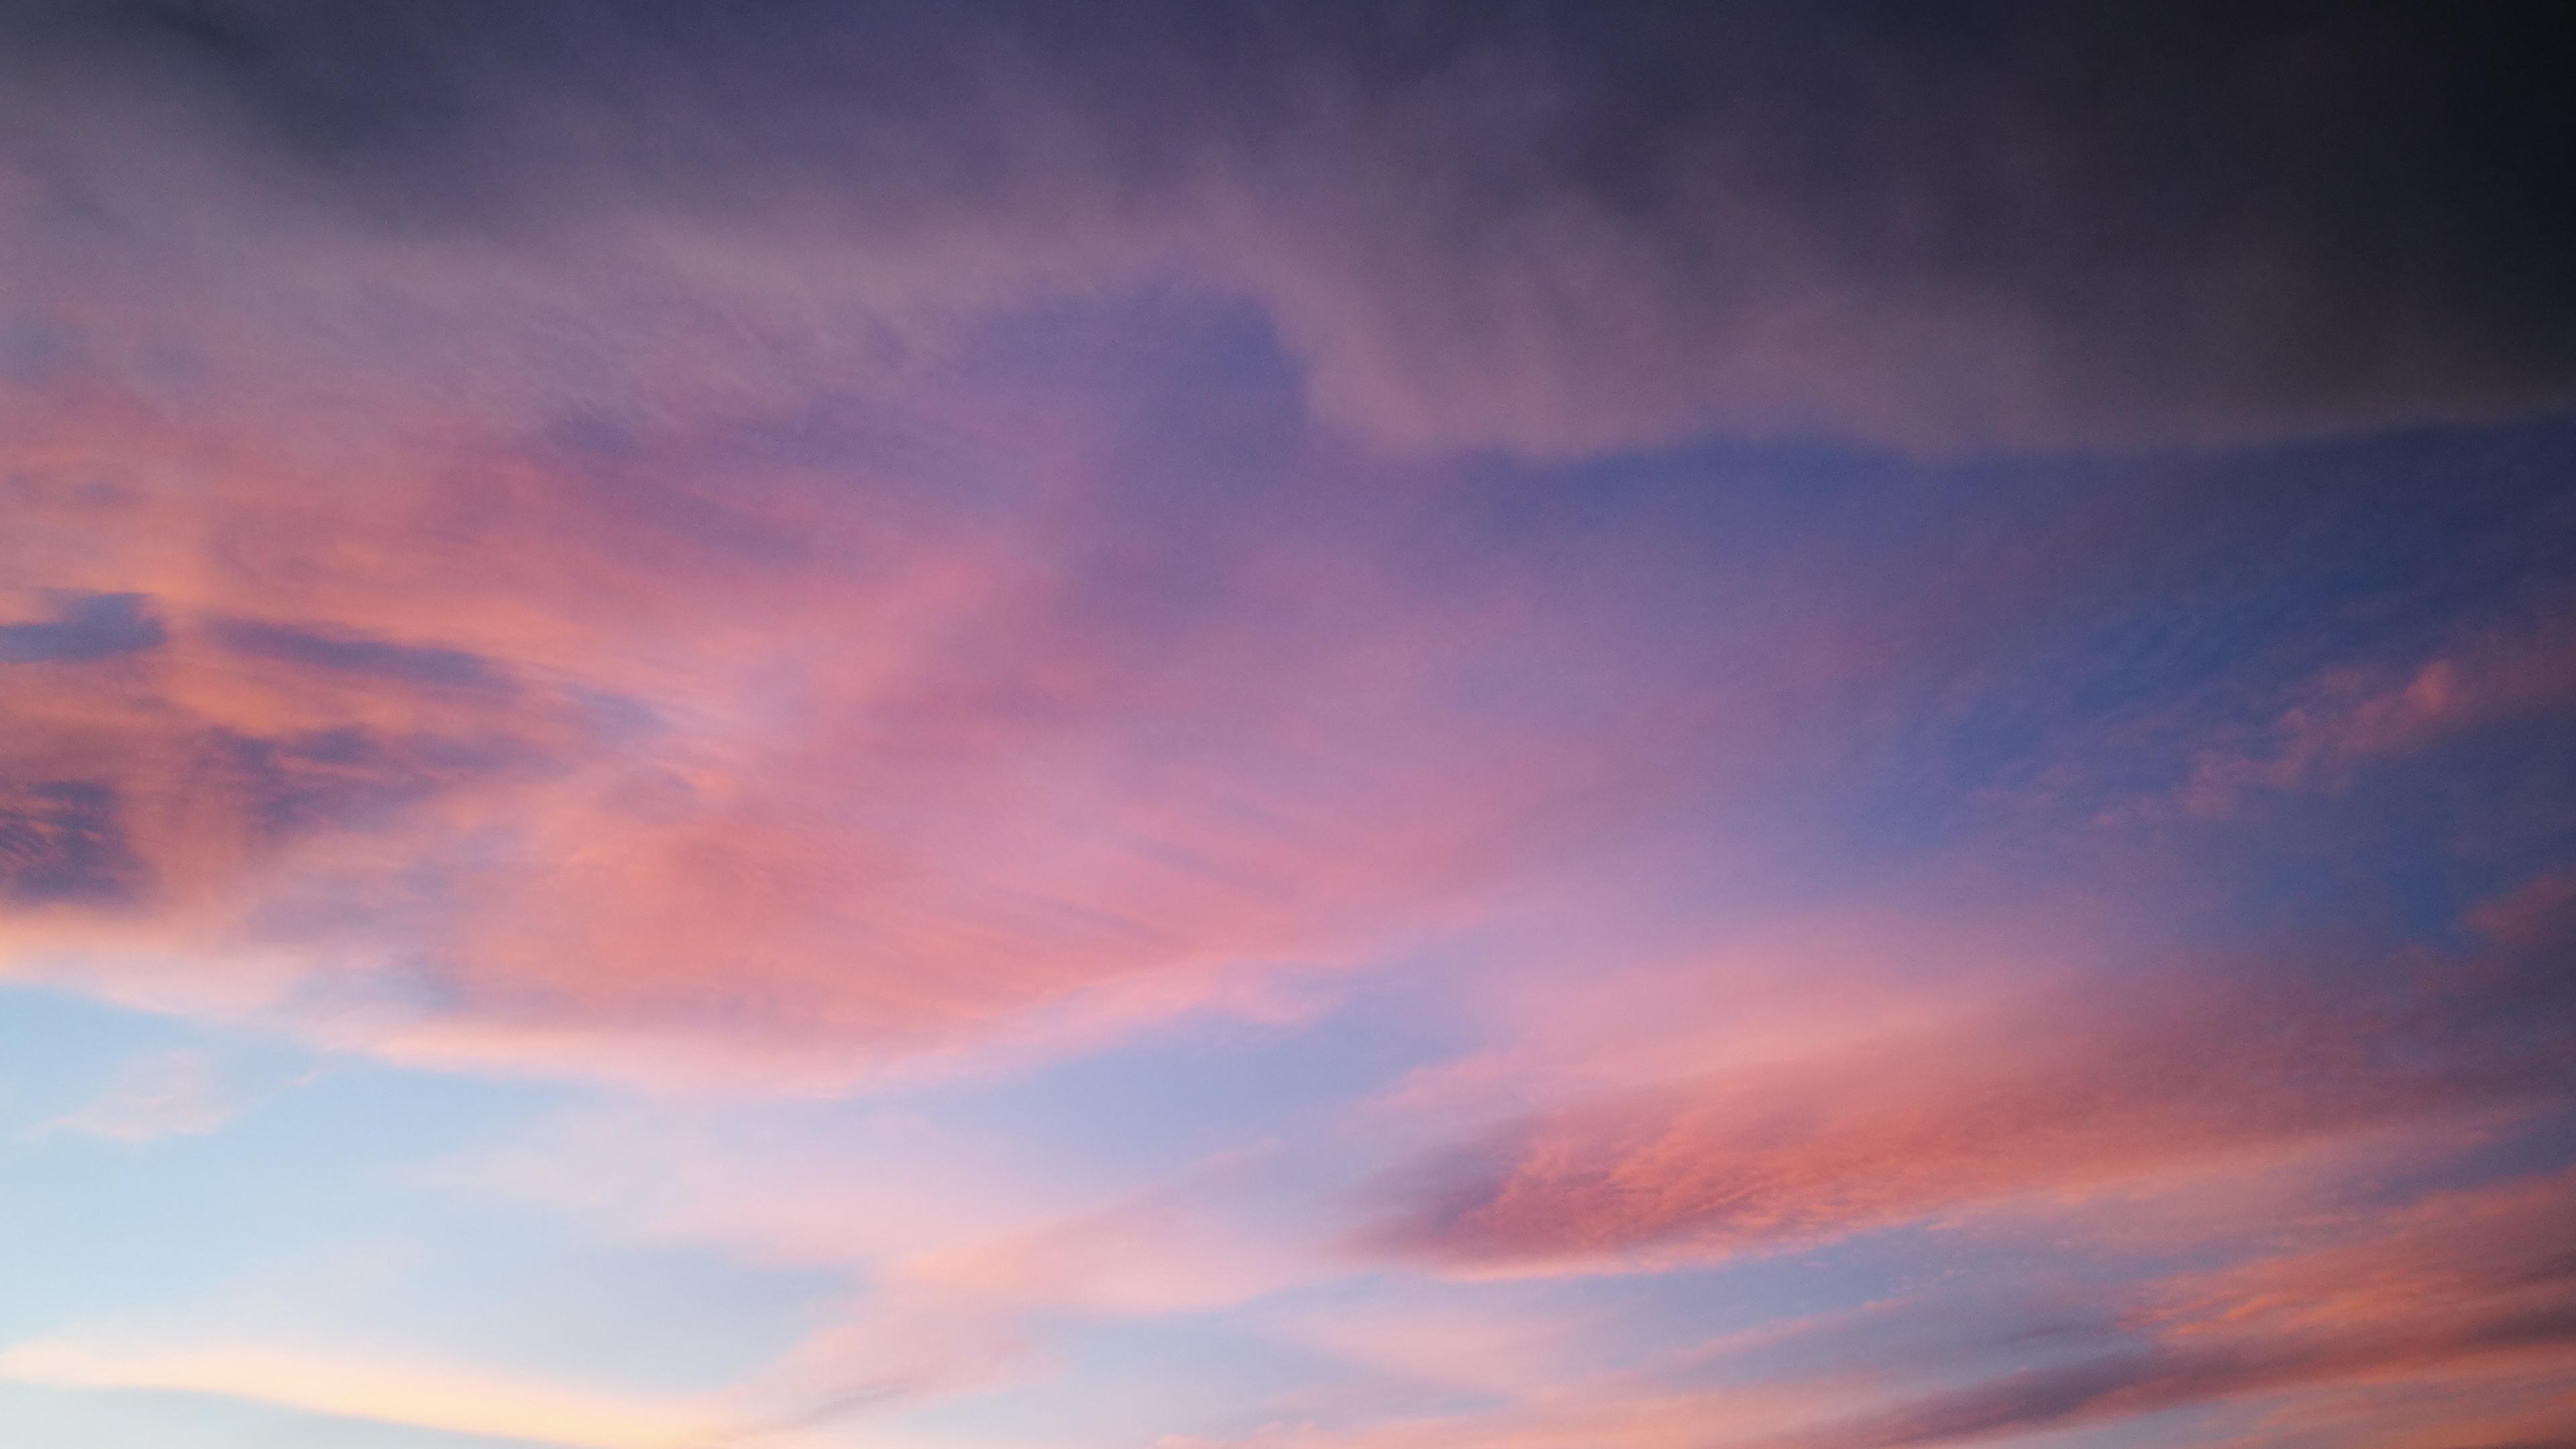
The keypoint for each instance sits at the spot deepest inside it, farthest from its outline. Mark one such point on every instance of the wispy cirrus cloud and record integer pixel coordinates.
(2471, 1283)
(172, 1094)
(2040, 1089)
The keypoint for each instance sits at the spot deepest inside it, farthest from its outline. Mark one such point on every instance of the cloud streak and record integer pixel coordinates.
(414, 1396)
(2059, 1091)
(180, 1093)
(2454, 1284)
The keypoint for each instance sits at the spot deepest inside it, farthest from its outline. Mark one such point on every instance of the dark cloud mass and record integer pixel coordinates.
(374, 658)
(84, 628)
(1549, 227)
(60, 843)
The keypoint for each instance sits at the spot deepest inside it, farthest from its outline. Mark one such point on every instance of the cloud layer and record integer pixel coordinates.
(1334, 726)
(1540, 227)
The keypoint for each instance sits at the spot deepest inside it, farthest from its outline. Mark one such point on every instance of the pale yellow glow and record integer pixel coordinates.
(418, 1396)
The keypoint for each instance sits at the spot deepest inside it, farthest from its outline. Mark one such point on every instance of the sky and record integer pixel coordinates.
(1197, 724)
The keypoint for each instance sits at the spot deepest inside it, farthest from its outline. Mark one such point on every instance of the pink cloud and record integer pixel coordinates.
(479, 761)
(2042, 1090)
(2348, 719)
(2460, 1288)
(2449, 1319)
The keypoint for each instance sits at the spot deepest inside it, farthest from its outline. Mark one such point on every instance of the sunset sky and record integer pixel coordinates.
(1200, 724)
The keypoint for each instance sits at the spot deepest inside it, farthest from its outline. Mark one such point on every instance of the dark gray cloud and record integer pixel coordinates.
(344, 653)
(60, 842)
(85, 627)
(1549, 226)
(351, 777)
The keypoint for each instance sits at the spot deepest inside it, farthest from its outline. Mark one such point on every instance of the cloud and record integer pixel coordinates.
(60, 842)
(2349, 718)
(1542, 227)
(971, 1261)
(769, 1190)
(174, 1094)
(2415, 1318)
(841, 738)
(418, 664)
(2048, 1091)
(1625, 1416)
(1481, 1347)
(969, 1230)
(759, 554)
(2531, 916)
(2469, 1281)
(795, 765)
(1202, 1242)
(84, 628)
(342, 1386)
